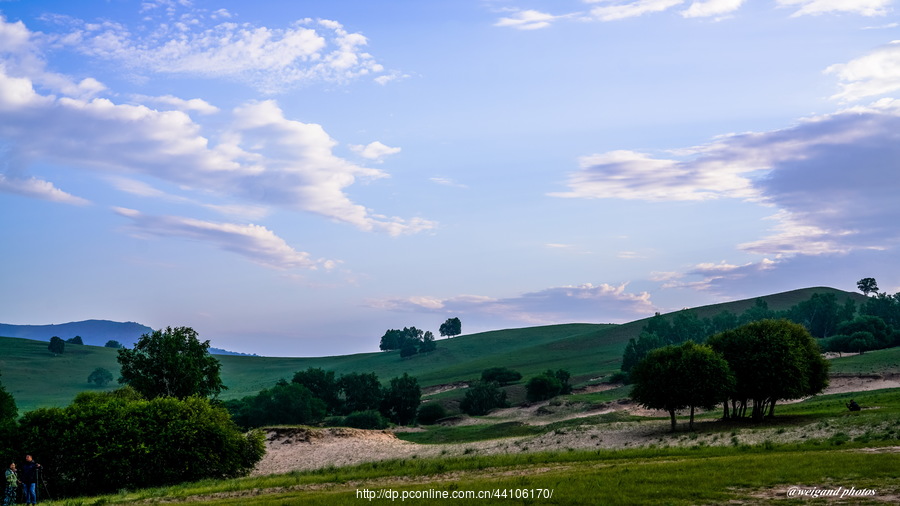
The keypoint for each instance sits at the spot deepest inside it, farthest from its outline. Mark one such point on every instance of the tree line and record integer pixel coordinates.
(315, 395)
(747, 370)
(411, 341)
(838, 327)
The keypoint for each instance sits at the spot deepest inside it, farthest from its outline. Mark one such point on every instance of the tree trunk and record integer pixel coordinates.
(691, 423)
(725, 414)
(672, 417)
(772, 409)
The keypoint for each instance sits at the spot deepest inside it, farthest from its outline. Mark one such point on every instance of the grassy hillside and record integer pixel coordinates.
(587, 351)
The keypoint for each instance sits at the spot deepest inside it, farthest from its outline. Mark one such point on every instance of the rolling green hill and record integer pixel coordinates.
(37, 379)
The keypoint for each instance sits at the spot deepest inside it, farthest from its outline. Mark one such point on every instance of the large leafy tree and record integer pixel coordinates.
(171, 363)
(679, 377)
(451, 327)
(362, 392)
(323, 385)
(867, 285)
(483, 396)
(57, 346)
(401, 399)
(771, 360)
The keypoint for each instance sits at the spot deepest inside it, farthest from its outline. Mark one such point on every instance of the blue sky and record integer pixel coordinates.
(295, 178)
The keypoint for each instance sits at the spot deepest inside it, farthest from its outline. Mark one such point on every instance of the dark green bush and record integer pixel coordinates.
(481, 397)
(104, 442)
(430, 413)
(501, 375)
(370, 419)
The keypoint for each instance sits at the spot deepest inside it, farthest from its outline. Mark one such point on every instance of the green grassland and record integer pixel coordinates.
(588, 351)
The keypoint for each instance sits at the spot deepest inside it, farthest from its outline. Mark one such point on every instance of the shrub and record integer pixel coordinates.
(285, 403)
(104, 442)
(430, 413)
(501, 375)
(548, 385)
(481, 397)
(100, 377)
(370, 419)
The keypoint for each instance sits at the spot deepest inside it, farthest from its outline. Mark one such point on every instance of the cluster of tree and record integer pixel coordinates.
(104, 442)
(842, 327)
(409, 341)
(113, 344)
(547, 385)
(75, 340)
(314, 394)
(159, 430)
(762, 362)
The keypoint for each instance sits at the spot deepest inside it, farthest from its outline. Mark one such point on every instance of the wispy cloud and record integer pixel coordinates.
(374, 150)
(39, 189)
(623, 10)
(254, 242)
(587, 303)
(260, 156)
(870, 75)
(815, 7)
(269, 59)
(528, 20)
(446, 181)
(832, 178)
(710, 8)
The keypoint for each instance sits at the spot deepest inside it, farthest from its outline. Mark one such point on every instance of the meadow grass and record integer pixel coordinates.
(687, 475)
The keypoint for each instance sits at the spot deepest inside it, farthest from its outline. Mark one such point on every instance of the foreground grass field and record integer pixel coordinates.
(861, 452)
(697, 475)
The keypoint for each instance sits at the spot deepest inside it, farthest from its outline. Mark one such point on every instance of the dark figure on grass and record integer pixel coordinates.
(29, 474)
(12, 485)
(853, 406)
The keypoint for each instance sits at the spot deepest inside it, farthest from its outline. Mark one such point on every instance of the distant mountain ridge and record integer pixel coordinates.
(92, 332)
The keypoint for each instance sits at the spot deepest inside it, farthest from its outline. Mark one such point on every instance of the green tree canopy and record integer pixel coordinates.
(362, 392)
(867, 286)
(8, 415)
(502, 375)
(171, 363)
(75, 340)
(104, 442)
(771, 360)
(113, 344)
(481, 397)
(100, 377)
(678, 377)
(451, 327)
(285, 403)
(57, 346)
(401, 399)
(323, 385)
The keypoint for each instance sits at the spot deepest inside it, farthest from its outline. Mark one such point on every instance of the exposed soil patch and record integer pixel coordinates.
(300, 448)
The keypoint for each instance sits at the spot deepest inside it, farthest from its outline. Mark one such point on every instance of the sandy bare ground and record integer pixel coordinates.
(290, 449)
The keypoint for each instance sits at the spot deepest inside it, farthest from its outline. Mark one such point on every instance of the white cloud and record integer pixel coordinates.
(874, 74)
(622, 10)
(863, 7)
(194, 104)
(269, 59)
(374, 150)
(527, 20)
(833, 177)
(708, 8)
(636, 176)
(263, 157)
(446, 181)
(257, 243)
(39, 189)
(584, 303)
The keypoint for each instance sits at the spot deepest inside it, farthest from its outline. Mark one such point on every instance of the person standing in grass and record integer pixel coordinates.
(29, 478)
(12, 485)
